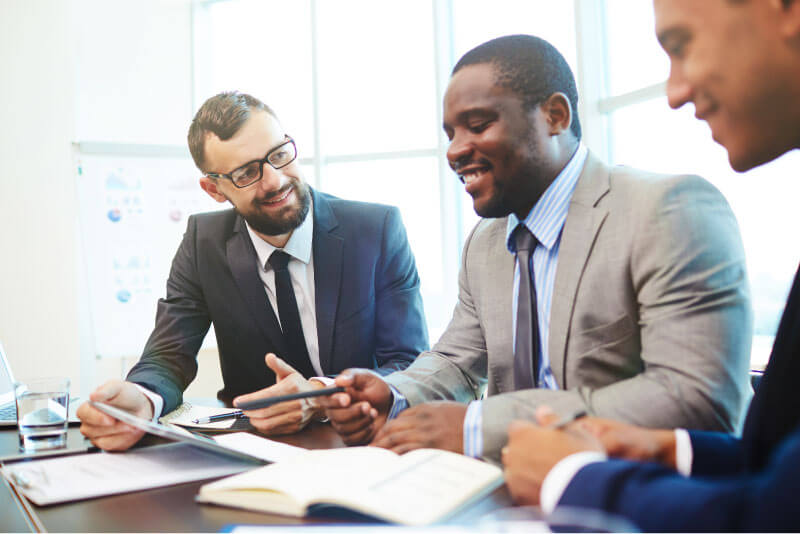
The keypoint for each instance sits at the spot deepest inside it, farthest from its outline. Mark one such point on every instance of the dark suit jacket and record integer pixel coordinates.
(368, 306)
(749, 484)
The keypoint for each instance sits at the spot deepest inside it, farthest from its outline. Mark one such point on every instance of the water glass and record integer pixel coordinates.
(42, 408)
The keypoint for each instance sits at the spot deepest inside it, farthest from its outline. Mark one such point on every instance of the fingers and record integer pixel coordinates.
(121, 440)
(356, 424)
(545, 416)
(293, 384)
(353, 420)
(361, 437)
(271, 391)
(335, 402)
(276, 410)
(405, 446)
(90, 415)
(107, 391)
(403, 423)
(279, 367)
(285, 423)
(358, 384)
(106, 432)
(364, 385)
(124, 395)
(396, 439)
(345, 379)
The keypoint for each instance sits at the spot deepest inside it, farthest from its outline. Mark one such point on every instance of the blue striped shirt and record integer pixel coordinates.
(545, 221)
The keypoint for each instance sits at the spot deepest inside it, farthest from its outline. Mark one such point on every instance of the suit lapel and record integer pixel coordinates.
(327, 249)
(501, 265)
(583, 222)
(242, 260)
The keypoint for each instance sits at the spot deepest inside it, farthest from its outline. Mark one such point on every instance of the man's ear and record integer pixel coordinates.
(209, 185)
(558, 111)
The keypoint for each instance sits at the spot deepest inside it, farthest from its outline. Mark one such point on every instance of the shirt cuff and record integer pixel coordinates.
(155, 398)
(562, 474)
(683, 452)
(399, 403)
(473, 437)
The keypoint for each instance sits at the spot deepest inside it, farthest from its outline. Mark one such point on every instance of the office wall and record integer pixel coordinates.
(73, 70)
(38, 323)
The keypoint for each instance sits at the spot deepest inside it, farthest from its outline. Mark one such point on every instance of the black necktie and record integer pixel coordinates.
(289, 316)
(526, 344)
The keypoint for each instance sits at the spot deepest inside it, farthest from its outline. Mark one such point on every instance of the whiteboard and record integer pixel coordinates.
(132, 216)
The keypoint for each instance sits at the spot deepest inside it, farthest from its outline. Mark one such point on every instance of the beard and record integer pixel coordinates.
(525, 181)
(287, 219)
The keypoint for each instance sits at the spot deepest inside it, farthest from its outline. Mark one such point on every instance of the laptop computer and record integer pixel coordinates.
(8, 406)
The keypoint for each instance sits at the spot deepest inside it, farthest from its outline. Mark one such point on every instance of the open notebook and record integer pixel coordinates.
(418, 488)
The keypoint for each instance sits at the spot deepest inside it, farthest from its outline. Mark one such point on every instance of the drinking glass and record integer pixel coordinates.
(42, 408)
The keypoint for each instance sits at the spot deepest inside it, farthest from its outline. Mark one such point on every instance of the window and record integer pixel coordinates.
(643, 132)
(359, 84)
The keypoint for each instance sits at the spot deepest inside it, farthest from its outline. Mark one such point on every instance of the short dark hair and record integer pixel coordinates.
(530, 67)
(223, 115)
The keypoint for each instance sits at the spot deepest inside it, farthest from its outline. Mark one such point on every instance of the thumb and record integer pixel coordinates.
(363, 380)
(279, 367)
(107, 391)
(545, 416)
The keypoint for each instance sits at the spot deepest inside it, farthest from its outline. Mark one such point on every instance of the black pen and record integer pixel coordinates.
(218, 417)
(567, 419)
(263, 403)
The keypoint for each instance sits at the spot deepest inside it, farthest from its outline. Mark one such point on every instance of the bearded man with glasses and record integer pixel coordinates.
(298, 284)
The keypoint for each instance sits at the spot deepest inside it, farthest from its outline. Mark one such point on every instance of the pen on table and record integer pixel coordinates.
(263, 403)
(567, 419)
(218, 417)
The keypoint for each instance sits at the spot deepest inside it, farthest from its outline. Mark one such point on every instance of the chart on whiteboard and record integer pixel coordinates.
(133, 213)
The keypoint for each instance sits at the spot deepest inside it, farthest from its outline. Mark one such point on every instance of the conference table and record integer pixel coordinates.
(172, 508)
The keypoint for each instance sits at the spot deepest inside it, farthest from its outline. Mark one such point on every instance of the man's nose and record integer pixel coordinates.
(679, 90)
(272, 179)
(458, 152)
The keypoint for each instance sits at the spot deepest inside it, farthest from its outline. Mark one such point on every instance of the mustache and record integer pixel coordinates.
(459, 165)
(275, 194)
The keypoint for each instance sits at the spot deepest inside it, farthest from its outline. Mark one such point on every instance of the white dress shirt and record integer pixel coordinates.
(301, 271)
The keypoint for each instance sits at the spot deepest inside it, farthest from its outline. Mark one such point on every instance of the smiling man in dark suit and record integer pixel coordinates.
(738, 62)
(316, 283)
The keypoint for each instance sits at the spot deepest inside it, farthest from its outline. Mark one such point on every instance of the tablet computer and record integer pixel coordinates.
(174, 433)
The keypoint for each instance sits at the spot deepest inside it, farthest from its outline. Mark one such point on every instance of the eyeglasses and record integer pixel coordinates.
(252, 171)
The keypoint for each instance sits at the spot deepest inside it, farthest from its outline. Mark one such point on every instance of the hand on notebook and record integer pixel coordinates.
(359, 412)
(433, 425)
(285, 417)
(533, 450)
(103, 430)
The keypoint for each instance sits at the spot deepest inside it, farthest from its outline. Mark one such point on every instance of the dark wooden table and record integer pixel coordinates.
(172, 509)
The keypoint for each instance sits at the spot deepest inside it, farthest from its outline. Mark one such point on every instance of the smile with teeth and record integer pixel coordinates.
(279, 198)
(472, 174)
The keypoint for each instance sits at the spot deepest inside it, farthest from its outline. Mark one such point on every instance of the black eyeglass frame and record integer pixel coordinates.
(261, 161)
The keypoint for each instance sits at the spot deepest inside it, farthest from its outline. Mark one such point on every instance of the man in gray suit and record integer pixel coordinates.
(636, 281)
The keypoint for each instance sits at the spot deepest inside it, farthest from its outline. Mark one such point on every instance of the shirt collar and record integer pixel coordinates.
(547, 216)
(298, 246)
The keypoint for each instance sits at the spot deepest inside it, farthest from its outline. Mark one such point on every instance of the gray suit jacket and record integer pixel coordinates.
(650, 320)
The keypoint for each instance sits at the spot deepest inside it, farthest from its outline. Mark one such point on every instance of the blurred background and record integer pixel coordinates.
(96, 182)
